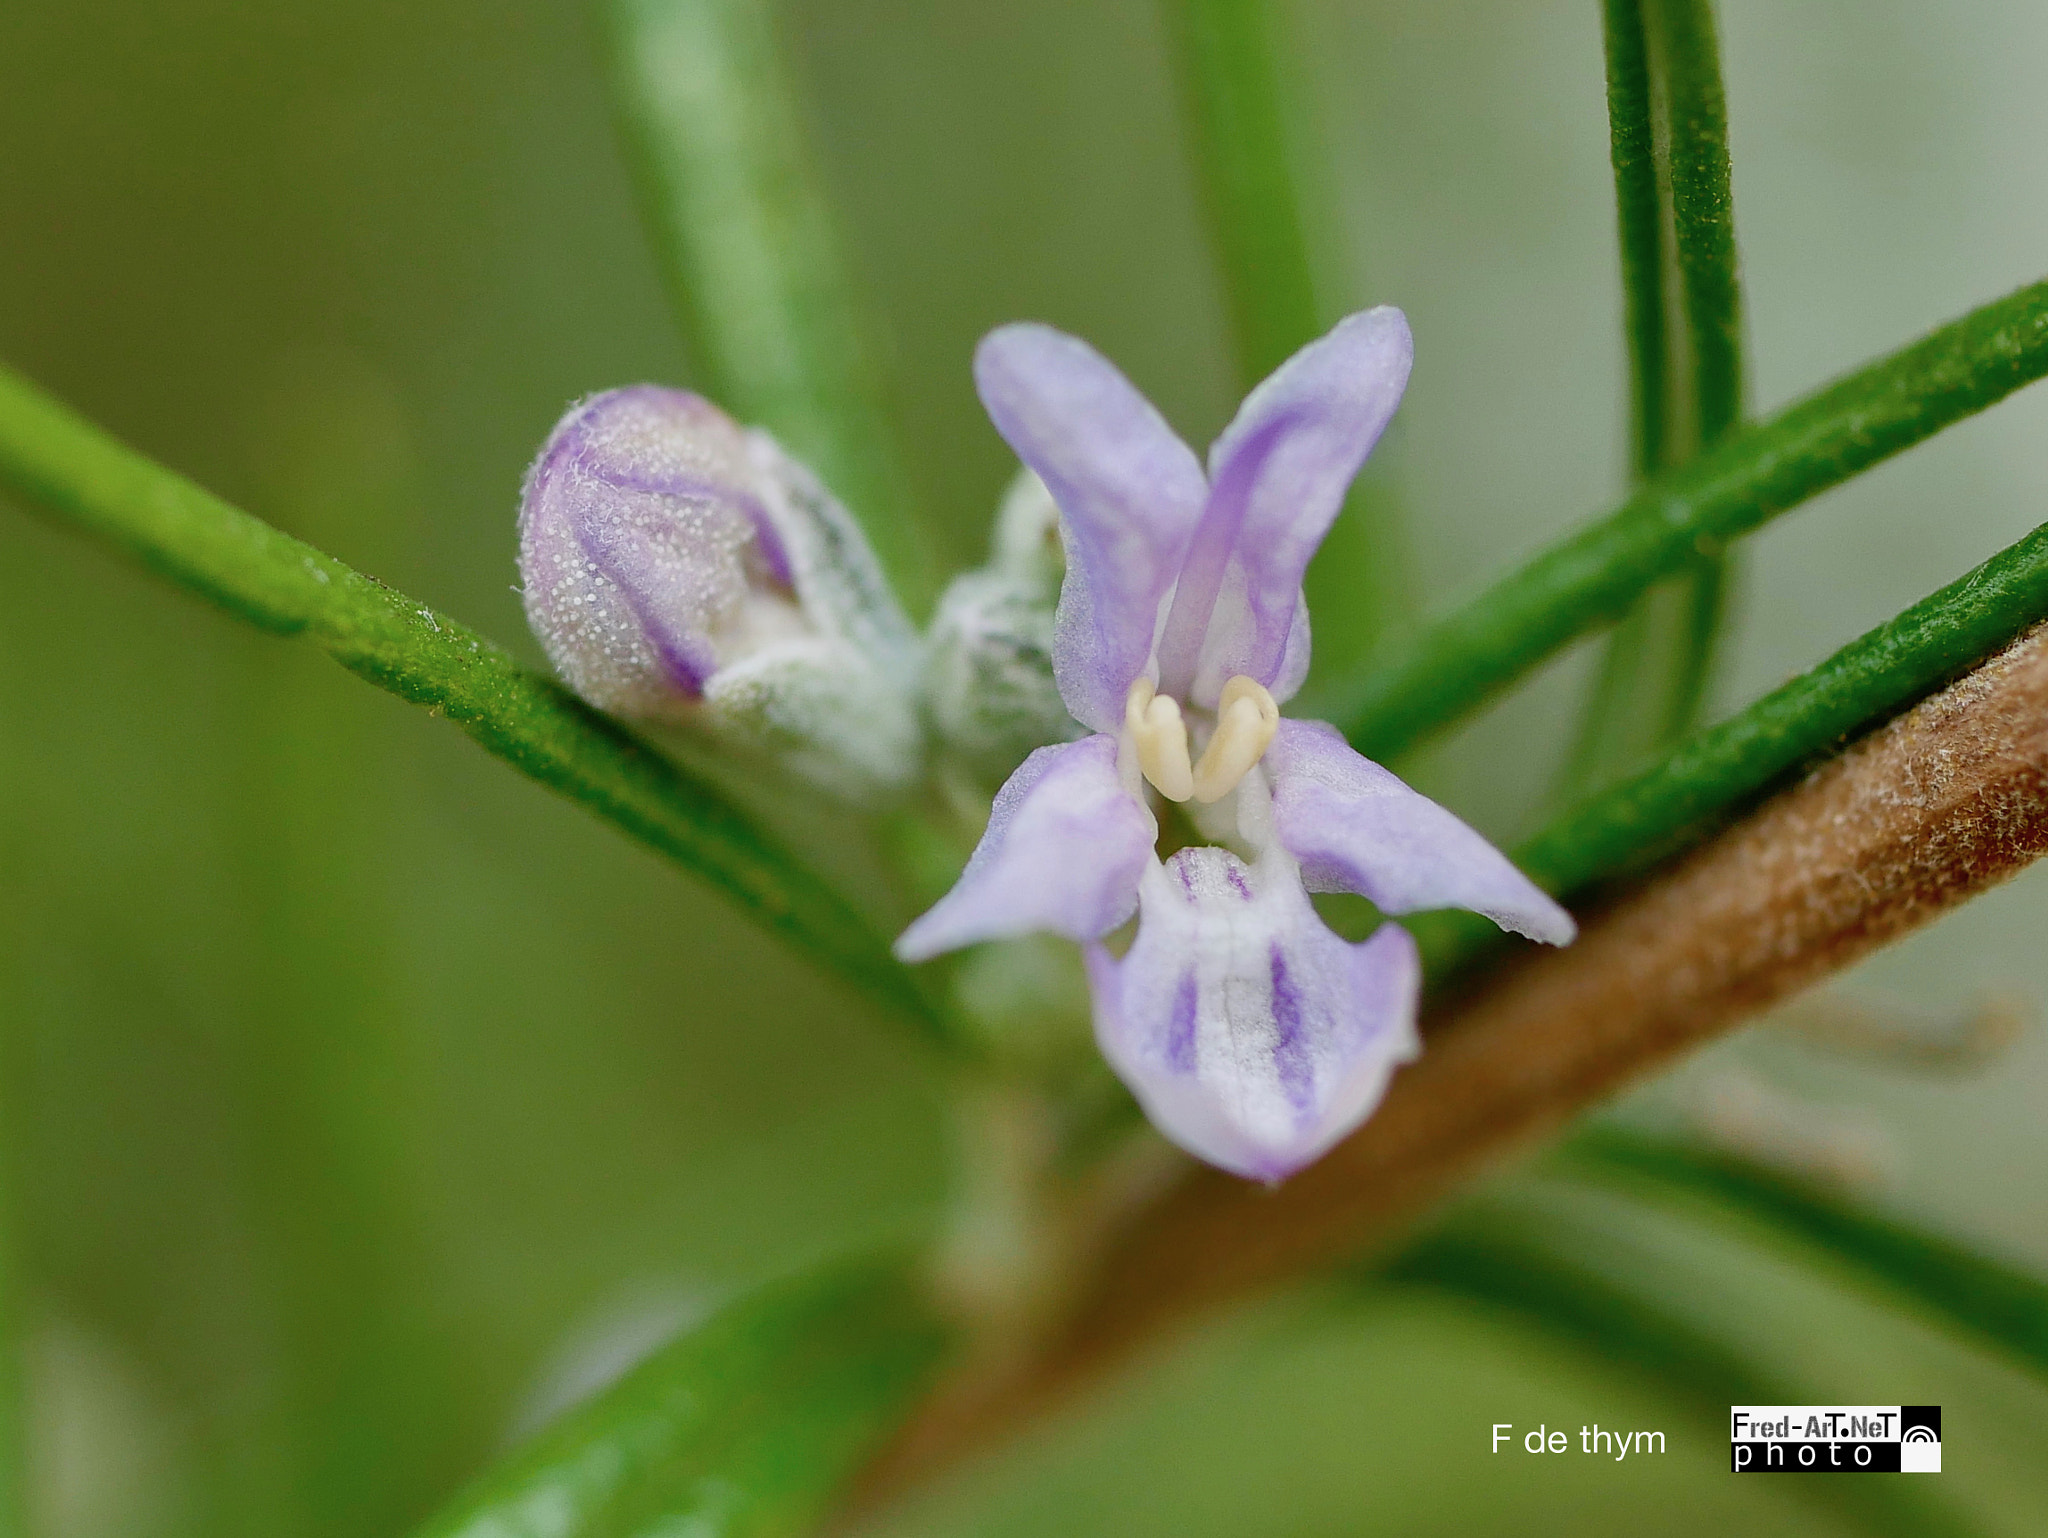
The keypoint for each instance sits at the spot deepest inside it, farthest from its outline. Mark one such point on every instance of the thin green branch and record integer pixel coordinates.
(1257, 187)
(1455, 665)
(1997, 1304)
(1873, 678)
(1683, 305)
(59, 463)
(745, 1425)
(1583, 1283)
(1229, 60)
(1702, 212)
(1681, 798)
(1639, 216)
(753, 256)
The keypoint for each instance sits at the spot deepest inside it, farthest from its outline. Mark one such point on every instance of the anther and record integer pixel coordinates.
(1246, 718)
(1161, 738)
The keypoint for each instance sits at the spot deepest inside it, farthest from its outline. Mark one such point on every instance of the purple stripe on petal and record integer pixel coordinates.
(633, 536)
(686, 657)
(1290, 1039)
(1253, 1037)
(1180, 1028)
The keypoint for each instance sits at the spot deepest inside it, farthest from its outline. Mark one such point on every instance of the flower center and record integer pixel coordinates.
(1246, 719)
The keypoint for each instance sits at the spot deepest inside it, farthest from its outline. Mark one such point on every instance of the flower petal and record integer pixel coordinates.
(1253, 1037)
(642, 528)
(1277, 478)
(1065, 844)
(1355, 827)
(1129, 493)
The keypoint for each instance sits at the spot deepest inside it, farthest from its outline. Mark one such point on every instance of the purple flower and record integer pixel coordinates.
(683, 570)
(1252, 1035)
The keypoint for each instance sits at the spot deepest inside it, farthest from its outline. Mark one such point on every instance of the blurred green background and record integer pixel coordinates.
(363, 1099)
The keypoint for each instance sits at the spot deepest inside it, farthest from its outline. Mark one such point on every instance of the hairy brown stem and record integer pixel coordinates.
(1947, 800)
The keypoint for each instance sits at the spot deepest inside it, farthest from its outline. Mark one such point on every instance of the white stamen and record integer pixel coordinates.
(1161, 738)
(1246, 718)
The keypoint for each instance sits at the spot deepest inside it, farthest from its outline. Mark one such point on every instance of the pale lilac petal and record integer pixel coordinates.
(1064, 847)
(1278, 477)
(641, 530)
(1252, 1036)
(1356, 828)
(1129, 494)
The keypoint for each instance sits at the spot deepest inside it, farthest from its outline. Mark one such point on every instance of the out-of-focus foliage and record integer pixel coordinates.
(371, 1096)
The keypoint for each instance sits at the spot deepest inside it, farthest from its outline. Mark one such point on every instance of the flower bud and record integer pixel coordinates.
(989, 690)
(681, 569)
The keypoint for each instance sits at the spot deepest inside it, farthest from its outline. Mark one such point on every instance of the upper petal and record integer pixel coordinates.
(1065, 844)
(1277, 478)
(1355, 827)
(1253, 1037)
(1129, 494)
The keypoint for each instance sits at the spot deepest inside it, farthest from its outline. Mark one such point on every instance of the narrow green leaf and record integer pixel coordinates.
(1702, 212)
(1581, 1282)
(1977, 1297)
(743, 1427)
(62, 465)
(1257, 186)
(1683, 309)
(1457, 664)
(1639, 216)
(1680, 798)
(1870, 680)
(1229, 60)
(753, 256)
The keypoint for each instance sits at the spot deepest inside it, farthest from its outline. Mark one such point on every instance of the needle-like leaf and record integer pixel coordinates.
(1258, 179)
(1458, 663)
(59, 464)
(1683, 306)
(1684, 795)
(1976, 1296)
(754, 258)
(742, 1427)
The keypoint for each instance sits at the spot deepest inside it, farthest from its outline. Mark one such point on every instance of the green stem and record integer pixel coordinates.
(742, 1428)
(1997, 1304)
(1455, 665)
(754, 259)
(1257, 189)
(1683, 307)
(1680, 798)
(59, 463)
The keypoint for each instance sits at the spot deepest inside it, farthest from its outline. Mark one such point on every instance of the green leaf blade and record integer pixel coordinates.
(1257, 183)
(1683, 796)
(57, 462)
(1970, 1294)
(1228, 55)
(754, 258)
(742, 1427)
(1590, 578)
(1683, 318)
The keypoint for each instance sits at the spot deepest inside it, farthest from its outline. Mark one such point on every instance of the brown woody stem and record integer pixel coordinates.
(1945, 801)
